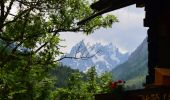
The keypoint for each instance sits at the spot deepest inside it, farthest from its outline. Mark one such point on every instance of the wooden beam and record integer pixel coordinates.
(103, 7)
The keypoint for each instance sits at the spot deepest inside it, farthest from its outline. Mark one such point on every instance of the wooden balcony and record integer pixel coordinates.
(156, 93)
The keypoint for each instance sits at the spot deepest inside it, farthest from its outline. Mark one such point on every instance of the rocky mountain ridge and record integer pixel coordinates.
(105, 57)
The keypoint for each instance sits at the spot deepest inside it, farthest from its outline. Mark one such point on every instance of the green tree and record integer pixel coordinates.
(91, 80)
(80, 89)
(29, 37)
(98, 83)
(104, 82)
(76, 89)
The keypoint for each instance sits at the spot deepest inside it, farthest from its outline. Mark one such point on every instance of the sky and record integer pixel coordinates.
(127, 34)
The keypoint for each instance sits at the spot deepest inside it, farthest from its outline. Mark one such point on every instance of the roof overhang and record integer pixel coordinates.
(104, 6)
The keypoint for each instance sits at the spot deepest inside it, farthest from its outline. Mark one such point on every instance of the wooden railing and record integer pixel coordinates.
(158, 93)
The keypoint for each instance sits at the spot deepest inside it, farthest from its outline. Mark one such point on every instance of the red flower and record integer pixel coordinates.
(113, 85)
(116, 83)
(120, 81)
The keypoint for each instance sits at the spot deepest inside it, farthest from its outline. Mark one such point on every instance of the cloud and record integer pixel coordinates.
(70, 39)
(127, 34)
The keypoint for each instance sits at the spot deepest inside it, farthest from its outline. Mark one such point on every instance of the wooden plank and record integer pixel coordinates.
(139, 94)
(162, 76)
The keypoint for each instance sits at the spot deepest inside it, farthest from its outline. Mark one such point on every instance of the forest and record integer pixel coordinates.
(29, 50)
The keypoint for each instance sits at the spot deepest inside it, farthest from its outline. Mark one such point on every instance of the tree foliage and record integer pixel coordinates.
(29, 36)
(80, 89)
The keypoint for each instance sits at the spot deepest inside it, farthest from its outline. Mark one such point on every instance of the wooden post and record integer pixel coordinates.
(158, 20)
(162, 77)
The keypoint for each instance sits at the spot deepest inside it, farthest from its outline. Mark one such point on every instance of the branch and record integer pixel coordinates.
(69, 30)
(41, 47)
(2, 14)
(35, 4)
(14, 40)
(2, 9)
(45, 43)
(9, 13)
(78, 50)
(82, 57)
(24, 2)
(56, 32)
(16, 47)
(22, 33)
(18, 16)
(8, 9)
(30, 3)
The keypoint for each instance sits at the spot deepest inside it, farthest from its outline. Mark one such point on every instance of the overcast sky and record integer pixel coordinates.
(127, 34)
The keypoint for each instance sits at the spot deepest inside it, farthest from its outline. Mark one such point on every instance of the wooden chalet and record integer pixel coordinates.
(157, 19)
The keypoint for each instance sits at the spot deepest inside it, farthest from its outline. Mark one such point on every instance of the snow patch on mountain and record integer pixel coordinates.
(106, 57)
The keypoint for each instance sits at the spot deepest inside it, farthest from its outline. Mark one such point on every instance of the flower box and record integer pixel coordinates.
(110, 96)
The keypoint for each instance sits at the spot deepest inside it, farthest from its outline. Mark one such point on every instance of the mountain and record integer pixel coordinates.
(134, 69)
(105, 59)
(8, 49)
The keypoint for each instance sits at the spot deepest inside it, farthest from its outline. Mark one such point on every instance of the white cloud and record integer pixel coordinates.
(72, 38)
(127, 34)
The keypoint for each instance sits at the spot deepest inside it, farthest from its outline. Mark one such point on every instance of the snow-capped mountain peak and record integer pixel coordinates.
(106, 57)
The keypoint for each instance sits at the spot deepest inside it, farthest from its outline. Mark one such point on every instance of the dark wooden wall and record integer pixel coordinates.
(158, 20)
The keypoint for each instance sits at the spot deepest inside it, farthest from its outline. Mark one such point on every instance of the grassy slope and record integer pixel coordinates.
(134, 69)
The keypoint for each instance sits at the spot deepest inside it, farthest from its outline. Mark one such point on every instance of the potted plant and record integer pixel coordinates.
(117, 88)
(115, 91)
